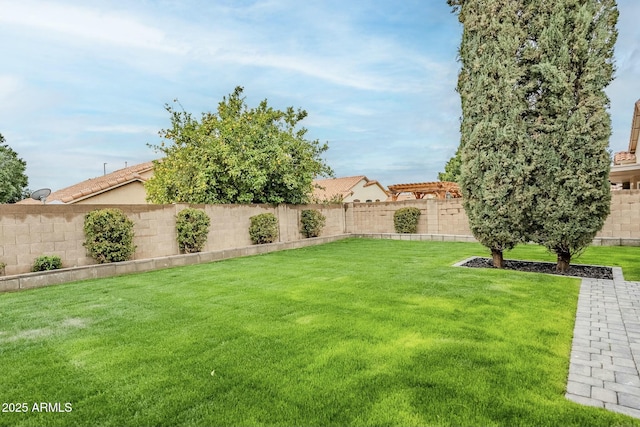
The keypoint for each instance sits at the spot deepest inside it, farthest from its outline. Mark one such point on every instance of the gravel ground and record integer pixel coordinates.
(591, 271)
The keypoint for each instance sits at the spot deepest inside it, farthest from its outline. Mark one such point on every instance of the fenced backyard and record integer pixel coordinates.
(30, 231)
(355, 332)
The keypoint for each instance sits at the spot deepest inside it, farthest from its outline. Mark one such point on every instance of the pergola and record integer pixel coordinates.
(441, 190)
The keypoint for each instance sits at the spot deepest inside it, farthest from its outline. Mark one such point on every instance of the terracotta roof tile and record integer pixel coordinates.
(624, 158)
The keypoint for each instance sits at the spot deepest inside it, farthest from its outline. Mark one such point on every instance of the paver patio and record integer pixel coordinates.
(605, 353)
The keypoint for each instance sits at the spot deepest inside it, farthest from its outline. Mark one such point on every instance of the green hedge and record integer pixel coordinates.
(263, 228)
(46, 263)
(405, 220)
(311, 222)
(108, 235)
(192, 226)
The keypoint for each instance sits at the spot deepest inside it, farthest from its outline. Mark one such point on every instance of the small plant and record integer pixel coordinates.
(311, 222)
(108, 235)
(405, 220)
(46, 263)
(2, 266)
(263, 228)
(192, 226)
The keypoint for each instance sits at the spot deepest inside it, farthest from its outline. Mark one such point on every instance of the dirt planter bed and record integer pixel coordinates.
(575, 270)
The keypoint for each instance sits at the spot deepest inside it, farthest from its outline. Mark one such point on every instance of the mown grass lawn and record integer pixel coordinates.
(356, 332)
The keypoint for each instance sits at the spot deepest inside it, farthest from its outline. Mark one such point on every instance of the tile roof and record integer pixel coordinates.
(624, 158)
(340, 187)
(94, 186)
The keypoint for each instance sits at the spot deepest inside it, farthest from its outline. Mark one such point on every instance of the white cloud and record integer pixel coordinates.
(340, 54)
(122, 128)
(85, 25)
(9, 86)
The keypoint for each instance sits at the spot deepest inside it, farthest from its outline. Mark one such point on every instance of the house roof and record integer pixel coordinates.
(420, 189)
(327, 189)
(624, 158)
(94, 186)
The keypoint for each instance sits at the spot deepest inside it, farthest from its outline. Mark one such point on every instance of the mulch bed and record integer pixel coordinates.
(587, 271)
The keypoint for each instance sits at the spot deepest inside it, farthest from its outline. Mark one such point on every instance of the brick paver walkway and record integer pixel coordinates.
(605, 354)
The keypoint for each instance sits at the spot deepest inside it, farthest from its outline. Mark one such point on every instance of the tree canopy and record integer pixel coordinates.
(569, 123)
(236, 155)
(13, 180)
(535, 125)
(451, 169)
(492, 134)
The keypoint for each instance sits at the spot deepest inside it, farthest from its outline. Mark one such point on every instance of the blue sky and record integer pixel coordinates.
(83, 83)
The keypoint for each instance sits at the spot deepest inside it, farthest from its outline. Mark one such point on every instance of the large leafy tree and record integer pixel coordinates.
(451, 169)
(13, 180)
(570, 62)
(492, 129)
(237, 155)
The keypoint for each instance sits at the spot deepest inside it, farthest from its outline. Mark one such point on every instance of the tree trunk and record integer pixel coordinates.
(564, 258)
(498, 261)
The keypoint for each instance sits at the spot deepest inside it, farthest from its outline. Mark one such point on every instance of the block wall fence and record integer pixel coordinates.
(30, 231)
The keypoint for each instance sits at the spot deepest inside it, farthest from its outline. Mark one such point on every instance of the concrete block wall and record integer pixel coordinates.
(436, 217)
(30, 231)
(447, 217)
(624, 219)
(452, 218)
(229, 224)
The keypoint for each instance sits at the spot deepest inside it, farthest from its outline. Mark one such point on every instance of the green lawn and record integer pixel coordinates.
(356, 332)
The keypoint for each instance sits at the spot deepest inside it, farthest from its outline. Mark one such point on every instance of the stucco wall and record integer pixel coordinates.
(131, 193)
(363, 192)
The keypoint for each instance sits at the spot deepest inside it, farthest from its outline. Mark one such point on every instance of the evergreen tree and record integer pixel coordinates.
(492, 128)
(535, 124)
(570, 64)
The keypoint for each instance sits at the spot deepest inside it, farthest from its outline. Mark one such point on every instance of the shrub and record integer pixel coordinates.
(405, 220)
(108, 235)
(46, 263)
(192, 226)
(311, 222)
(263, 228)
(2, 267)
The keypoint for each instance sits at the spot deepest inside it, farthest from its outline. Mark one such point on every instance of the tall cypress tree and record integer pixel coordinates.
(535, 125)
(492, 128)
(570, 64)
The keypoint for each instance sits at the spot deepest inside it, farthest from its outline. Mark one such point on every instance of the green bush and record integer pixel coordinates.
(108, 235)
(2, 267)
(46, 263)
(311, 222)
(263, 228)
(192, 226)
(405, 220)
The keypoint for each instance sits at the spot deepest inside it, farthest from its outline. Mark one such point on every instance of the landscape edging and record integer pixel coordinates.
(41, 279)
(96, 271)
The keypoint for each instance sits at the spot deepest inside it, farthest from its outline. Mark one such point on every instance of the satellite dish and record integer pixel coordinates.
(41, 194)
